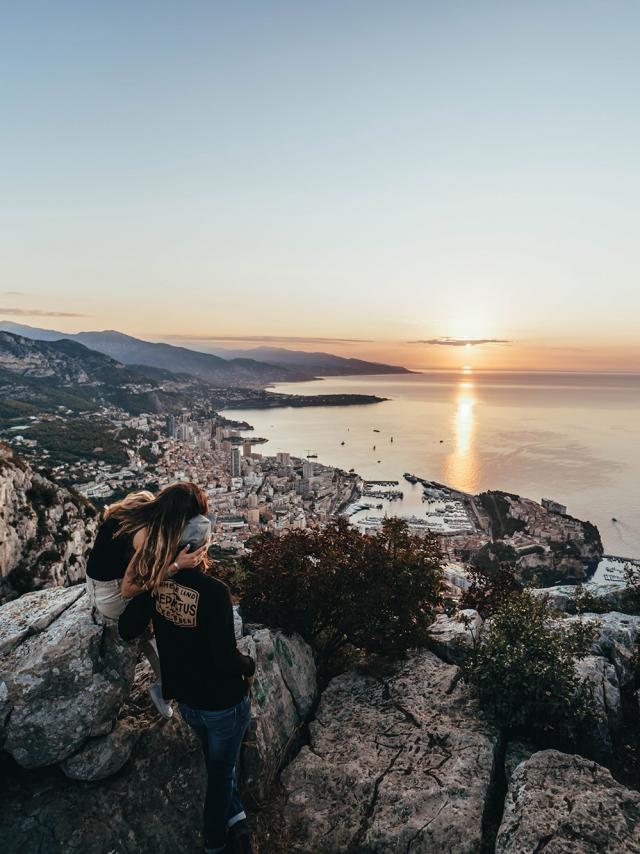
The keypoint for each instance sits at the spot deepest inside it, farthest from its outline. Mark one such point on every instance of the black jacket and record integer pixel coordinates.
(193, 623)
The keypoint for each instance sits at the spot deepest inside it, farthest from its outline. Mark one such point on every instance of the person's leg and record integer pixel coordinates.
(105, 596)
(236, 808)
(150, 652)
(225, 731)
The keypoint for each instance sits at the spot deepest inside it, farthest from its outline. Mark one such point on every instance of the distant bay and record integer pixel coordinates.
(573, 437)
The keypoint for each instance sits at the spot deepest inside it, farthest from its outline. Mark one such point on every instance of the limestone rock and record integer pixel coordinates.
(562, 803)
(602, 679)
(102, 756)
(64, 684)
(451, 638)
(616, 640)
(397, 762)
(32, 613)
(284, 690)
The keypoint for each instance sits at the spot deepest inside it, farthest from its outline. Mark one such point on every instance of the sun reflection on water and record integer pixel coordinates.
(461, 464)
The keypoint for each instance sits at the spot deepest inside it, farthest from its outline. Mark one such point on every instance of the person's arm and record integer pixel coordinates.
(222, 637)
(185, 560)
(136, 617)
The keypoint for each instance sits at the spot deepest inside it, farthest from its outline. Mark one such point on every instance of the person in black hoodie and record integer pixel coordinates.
(201, 667)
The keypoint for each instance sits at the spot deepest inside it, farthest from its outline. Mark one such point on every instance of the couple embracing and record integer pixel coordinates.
(149, 567)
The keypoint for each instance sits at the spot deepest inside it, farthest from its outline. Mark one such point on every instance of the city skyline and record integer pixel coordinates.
(374, 180)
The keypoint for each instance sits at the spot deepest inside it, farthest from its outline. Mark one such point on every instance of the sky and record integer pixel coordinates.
(436, 184)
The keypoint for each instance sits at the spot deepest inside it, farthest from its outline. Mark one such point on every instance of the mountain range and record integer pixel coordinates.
(257, 367)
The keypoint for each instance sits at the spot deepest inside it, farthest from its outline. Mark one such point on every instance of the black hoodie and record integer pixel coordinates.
(192, 619)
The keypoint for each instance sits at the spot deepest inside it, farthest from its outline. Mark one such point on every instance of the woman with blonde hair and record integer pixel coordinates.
(201, 665)
(106, 567)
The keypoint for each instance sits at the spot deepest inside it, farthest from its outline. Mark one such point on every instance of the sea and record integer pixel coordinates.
(571, 437)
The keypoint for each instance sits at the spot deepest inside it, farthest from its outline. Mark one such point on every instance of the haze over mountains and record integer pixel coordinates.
(258, 366)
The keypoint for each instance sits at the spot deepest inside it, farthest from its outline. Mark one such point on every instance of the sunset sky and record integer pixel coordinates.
(377, 179)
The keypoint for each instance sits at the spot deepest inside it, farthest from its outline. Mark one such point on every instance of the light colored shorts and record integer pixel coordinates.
(106, 597)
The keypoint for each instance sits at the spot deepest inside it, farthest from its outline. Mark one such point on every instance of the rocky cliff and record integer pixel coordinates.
(45, 530)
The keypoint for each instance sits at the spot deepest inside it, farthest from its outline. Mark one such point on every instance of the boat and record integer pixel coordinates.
(374, 447)
(342, 443)
(613, 519)
(392, 440)
(375, 430)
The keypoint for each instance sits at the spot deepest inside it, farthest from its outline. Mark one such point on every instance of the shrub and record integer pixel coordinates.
(337, 587)
(489, 588)
(524, 677)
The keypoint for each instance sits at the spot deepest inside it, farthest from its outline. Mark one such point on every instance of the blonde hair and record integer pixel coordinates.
(133, 499)
(163, 520)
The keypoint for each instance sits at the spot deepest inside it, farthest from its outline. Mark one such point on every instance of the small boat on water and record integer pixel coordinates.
(342, 443)
(374, 447)
(392, 440)
(375, 430)
(613, 519)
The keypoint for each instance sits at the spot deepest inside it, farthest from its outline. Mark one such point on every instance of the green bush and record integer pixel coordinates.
(524, 677)
(337, 587)
(489, 588)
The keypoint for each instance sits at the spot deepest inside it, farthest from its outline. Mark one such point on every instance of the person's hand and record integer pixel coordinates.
(188, 560)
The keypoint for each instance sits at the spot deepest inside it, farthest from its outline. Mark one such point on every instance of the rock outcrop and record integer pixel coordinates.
(45, 530)
(284, 691)
(398, 761)
(603, 683)
(562, 803)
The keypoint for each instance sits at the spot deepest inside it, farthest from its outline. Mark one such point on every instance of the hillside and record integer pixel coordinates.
(38, 376)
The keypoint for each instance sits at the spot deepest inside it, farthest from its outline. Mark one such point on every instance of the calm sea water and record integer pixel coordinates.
(571, 437)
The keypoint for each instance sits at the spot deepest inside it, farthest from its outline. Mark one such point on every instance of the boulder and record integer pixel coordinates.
(617, 637)
(452, 638)
(102, 756)
(64, 683)
(515, 753)
(562, 803)
(284, 690)
(398, 761)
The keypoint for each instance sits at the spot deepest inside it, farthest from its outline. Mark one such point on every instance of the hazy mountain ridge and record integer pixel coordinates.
(216, 365)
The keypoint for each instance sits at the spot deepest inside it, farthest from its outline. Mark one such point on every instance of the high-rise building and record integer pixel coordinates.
(235, 462)
(308, 469)
(283, 458)
(246, 448)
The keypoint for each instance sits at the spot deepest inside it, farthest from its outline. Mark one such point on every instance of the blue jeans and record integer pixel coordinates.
(220, 735)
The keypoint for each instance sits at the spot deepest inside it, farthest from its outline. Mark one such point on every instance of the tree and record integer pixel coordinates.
(524, 676)
(338, 587)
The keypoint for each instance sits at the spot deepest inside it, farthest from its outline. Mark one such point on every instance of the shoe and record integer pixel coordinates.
(159, 702)
(239, 839)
